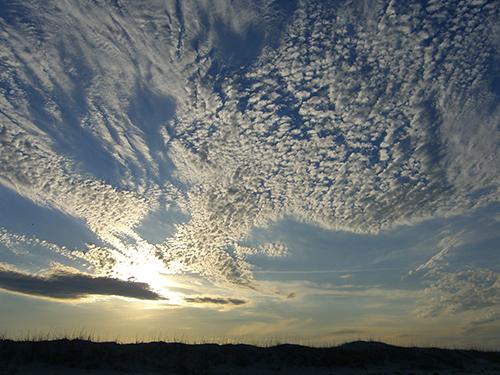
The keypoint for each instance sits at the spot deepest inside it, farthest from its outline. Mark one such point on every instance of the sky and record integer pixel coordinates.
(251, 170)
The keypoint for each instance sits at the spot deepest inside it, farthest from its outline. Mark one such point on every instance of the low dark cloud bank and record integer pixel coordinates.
(62, 284)
(216, 300)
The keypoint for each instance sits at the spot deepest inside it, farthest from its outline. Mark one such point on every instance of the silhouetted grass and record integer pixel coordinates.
(182, 358)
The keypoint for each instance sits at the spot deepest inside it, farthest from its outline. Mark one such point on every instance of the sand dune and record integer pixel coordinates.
(360, 357)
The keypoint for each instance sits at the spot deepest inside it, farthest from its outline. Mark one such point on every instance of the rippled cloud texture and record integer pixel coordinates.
(238, 157)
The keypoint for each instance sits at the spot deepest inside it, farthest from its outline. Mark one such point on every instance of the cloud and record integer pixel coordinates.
(361, 118)
(40, 175)
(449, 244)
(64, 284)
(216, 300)
(338, 126)
(42, 156)
(487, 322)
(457, 292)
(356, 149)
(15, 242)
(273, 250)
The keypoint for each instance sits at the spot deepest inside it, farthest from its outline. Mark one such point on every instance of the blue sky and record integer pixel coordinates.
(313, 171)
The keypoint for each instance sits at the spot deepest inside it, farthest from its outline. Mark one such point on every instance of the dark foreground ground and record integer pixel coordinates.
(360, 357)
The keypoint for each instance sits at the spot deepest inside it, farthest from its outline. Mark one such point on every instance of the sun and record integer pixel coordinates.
(138, 262)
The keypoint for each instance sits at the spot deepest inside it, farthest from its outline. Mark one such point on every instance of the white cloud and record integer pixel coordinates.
(39, 174)
(13, 241)
(448, 244)
(363, 149)
(276, 249)
(330, 160)
(354, 121)
(457, 292)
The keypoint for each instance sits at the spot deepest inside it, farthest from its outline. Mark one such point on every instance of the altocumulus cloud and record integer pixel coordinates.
(347, 125)
(360, 150)
(60, 283)
(358, 119)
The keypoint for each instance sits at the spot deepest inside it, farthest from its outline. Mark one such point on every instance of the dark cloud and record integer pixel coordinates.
(216, 300)
(62, 284)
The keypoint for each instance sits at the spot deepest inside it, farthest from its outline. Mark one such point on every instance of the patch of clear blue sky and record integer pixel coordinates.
(158, 225)
(22, 217)
(384, 258)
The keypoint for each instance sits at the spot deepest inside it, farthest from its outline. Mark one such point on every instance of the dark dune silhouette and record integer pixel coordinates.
(361, 357)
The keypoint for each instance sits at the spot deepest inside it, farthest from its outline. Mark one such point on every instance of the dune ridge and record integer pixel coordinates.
(77, 356)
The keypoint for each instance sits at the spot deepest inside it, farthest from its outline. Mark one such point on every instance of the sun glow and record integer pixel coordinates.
(138, 262)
